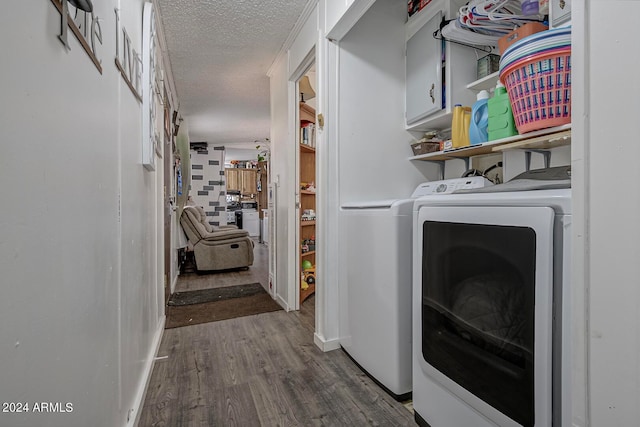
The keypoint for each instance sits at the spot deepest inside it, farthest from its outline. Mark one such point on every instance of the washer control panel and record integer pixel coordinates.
(447, 186)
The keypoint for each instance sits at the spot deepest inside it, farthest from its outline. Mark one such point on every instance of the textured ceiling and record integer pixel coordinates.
(220, 52)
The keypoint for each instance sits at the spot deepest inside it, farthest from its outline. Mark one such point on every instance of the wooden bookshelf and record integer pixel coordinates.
(307, 175)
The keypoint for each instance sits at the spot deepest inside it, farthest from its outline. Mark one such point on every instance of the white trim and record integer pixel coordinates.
(327, 302)
(302, 19)
(294, 214)
(580, 160)
(174, 283)
(349, 18)
(304, 66)
(166, 60)
(293, 266)
(146, 378)
(326, 345)
(282, 303)
(331, 303)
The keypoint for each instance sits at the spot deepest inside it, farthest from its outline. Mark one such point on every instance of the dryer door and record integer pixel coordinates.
(486, 308)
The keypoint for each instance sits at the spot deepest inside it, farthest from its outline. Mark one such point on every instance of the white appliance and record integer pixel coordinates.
(264, 226)
(247, 217)
(375, 298)
(231, 217)
(491, 276)
(251, 222)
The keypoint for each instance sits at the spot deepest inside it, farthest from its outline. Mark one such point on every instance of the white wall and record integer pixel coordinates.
(283, 178)
(283, 73)
(242, 154)
(79, 224)
(373, 145)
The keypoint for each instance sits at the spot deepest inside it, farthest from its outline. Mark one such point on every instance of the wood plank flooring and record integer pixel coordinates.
(261, 370)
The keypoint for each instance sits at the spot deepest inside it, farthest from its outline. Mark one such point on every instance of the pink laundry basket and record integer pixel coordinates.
(539, 88)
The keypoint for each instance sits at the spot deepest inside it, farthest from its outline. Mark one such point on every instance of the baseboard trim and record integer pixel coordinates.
(174, 283)
(282, 303)
(325, 345)
(134, 418)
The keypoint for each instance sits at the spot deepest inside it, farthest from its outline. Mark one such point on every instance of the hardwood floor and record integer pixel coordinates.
(261, 370)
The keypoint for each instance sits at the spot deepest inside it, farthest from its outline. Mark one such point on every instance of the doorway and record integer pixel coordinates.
(306, 185)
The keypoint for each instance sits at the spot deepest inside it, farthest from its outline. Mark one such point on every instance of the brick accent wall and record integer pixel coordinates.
(208, 186)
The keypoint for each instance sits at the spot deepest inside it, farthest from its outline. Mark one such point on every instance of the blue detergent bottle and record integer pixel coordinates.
(478, 128)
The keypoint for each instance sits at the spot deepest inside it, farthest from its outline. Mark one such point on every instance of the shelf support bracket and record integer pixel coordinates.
(545, 153)
(466, 162)
(442, 165)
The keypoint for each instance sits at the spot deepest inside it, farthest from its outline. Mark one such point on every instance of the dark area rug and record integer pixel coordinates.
(211, 305)
(215, 294)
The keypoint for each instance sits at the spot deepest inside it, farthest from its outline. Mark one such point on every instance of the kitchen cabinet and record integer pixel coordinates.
(233, 179)
(560, 12)
(437, 71)
(242, 180)
(248, 179)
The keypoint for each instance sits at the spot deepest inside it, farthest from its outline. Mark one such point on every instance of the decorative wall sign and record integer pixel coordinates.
(167, 119)
(128, 60)
(150, 137)
(84, 25)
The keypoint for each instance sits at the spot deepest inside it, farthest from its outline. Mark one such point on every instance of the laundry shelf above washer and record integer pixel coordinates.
(540, 139)
(544, 142)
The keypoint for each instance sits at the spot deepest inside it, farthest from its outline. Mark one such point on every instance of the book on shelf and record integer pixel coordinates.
(308, 134)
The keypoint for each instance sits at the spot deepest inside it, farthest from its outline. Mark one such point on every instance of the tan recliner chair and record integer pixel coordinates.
(216, 248)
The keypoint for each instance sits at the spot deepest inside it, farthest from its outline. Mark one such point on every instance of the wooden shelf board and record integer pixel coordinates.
(549, 134)
(306, 293)
(307, 113)
(540, 142)
(307, 223)
(307, 148)
(307, 192)
(304, 254)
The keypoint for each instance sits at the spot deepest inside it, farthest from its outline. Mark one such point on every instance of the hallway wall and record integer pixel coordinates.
(283, 175)
(80, 224)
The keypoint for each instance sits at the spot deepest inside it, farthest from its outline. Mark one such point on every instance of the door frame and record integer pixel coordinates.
(294, 214)
(167, 198)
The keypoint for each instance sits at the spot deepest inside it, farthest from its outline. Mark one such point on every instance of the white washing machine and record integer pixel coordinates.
(375, 296)
(491, 305)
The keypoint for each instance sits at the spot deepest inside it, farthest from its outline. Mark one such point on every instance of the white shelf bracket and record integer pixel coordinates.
(466, 162)
(442, 164)
(545, 153)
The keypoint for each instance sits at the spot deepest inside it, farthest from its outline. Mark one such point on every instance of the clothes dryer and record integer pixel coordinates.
(375, 295)
(491, 300)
